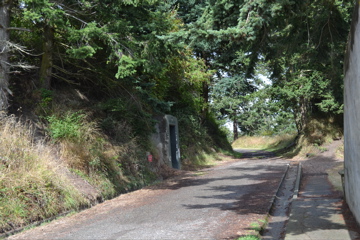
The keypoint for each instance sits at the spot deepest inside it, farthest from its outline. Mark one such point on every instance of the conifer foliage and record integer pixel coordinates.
(301, 43)
(176, 52)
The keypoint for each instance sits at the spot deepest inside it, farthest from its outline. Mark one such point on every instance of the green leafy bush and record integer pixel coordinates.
(67, 127)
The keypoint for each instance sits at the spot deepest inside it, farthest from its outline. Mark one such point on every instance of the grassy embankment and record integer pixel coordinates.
(317, 135)
(34, 174)
(269, 143)
(30, 187)
(102, 145)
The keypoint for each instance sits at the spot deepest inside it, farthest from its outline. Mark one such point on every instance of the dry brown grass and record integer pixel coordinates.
(113, 165)
(318, 133)
(263, 142)
(30, 189)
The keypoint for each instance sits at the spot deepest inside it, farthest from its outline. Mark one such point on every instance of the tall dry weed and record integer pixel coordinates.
(30, 188)
(263, 142)
(112, 164)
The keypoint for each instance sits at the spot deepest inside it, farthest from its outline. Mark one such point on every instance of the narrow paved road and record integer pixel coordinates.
(217, 203)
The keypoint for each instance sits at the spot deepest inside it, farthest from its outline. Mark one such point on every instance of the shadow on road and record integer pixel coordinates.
(252, 198)
(245, 187)
(255, 153)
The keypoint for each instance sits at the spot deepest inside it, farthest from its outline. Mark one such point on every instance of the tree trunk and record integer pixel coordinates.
(235, 127)
(303, 112)
(4, 56)
(205, 96)
(47, 58)
(205, 90)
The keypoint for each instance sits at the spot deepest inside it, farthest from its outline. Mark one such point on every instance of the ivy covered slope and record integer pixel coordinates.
(85, 80)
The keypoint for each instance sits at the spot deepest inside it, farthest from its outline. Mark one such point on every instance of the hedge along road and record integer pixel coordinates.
(216, 203)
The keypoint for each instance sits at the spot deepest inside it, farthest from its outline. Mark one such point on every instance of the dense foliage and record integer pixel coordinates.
(175, 55)
(298, 45)
(171, 54)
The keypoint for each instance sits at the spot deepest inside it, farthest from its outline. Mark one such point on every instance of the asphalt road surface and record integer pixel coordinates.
(216, 203)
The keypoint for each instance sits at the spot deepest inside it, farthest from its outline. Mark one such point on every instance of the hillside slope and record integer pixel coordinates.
(72, 153)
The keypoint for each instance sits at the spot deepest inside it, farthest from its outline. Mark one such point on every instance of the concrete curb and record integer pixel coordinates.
(32, 225)
(297, 184)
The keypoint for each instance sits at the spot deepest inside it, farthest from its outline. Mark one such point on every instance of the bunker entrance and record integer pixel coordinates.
(173, 147)
(166, 140)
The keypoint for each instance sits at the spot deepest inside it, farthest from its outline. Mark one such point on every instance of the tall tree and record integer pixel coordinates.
(305, 50)
(53, 20)
(4, 52)
(229, 99)
(303, 41)
(227, 34)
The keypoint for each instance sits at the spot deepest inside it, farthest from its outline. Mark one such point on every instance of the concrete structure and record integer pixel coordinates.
(352, 117)
(166, 141)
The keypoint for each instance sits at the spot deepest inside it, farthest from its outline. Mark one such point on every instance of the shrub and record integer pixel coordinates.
(114, 165)
(67, 127)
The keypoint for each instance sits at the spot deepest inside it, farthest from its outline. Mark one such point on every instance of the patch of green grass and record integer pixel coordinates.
(259, 225)
(233, 154)
(68, 126)
(201, 160)
(249, 237)
(256, 228)
(199, 173)
(323, 149)
(206, 160)
(340, 152)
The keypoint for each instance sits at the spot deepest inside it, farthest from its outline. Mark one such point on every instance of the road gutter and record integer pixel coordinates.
(297, 184)
(272, 202)
(278, 213)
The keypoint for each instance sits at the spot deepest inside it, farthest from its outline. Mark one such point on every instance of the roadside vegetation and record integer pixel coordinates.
(250, 237)
(318, 133)
(270, 143)
(31, 188)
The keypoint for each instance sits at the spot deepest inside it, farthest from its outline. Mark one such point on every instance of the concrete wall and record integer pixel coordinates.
(166, 141)
(352, 117)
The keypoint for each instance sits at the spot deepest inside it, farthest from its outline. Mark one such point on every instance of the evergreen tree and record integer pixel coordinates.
(302, 41)
(305, 50)
(5, 6)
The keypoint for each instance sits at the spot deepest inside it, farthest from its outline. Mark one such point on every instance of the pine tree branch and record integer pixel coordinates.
(18, 29)
(64, 79)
